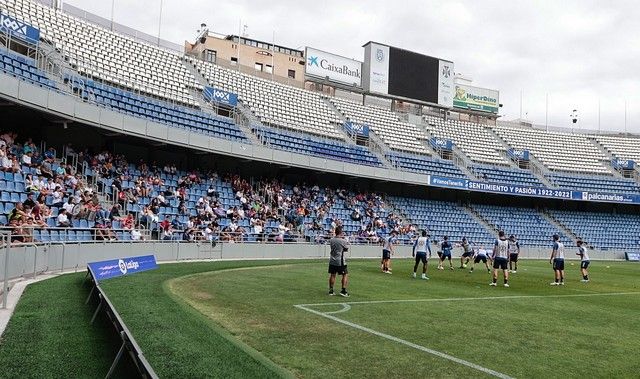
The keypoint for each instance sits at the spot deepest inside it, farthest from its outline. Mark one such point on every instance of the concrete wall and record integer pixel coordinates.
(24, 261)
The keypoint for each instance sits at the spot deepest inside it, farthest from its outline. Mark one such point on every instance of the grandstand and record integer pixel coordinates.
(111, 145)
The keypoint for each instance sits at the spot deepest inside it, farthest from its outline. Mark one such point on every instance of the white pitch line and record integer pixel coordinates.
(406, 343)
(345, 308)
(471, 298)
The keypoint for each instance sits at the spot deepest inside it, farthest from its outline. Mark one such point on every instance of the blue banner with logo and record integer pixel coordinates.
(19, 29)
(355, 128)
(624, 164)
(120, 267)
(219, 96)
(441, 144)
(634, 257)
(510, 189)
(518, 154)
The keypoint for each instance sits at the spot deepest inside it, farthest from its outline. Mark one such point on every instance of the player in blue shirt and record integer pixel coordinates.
(387, 251)
(445, 247)
(420, 249)
(557, 260)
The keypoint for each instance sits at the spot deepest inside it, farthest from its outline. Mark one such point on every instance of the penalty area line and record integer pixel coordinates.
(404, 342)
(470, 299)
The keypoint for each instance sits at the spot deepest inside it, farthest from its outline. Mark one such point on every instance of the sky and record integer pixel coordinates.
(568, 54)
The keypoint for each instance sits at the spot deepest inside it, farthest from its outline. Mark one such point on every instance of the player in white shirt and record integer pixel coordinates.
(514, 251)
(557, 260)
(584, 261)
(481, 255)
(387, 251)
(500, 259)
(420, 249)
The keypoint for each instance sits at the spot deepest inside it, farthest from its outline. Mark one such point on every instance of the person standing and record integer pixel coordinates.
(420, 248)
(557, 260)
(338, 262)
(387, 251)
(445, 247)
(514, 251)
(584, 261)
(500, 259)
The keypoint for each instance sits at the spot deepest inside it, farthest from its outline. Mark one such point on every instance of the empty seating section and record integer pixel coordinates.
(506, 175)
(386, 124)
(140, 106)
(556, 150)
(443, 218)
(425, 164)
(478, 143)
(99, 53)
(595, 183)
(529, 226)
(325, 148)
(273, 103)
(621, 147)
(23, 68)
(603, 230)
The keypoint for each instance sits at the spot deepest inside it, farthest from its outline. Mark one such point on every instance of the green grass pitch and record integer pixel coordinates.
(275, 319)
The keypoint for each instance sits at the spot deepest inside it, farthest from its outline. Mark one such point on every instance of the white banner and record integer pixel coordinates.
(445, 83)
(377, 68)
(338, 69)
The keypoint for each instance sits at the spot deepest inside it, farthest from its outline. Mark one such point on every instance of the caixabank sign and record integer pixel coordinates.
(18, 29)
(335, 68)
(219, 96)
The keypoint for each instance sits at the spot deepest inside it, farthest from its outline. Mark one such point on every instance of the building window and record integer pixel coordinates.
(210, 56)
(258, 66)
(234, 61)
(268, 69)
(292, 74)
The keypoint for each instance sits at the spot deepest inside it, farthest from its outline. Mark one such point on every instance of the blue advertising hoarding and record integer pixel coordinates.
(510, 189)
(220, 97)
(624, 164)
(19, 29)
(113, 268)
(441, 143)
(355, 128)
(519, 154)
(634, 257)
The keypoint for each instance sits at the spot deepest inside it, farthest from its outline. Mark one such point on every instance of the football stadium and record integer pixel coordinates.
(233, 207)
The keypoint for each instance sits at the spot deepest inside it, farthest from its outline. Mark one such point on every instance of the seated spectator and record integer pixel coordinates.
(63, 219)
(115, 212)
(69, 205)
(103, 231)
(136, 235)
(29, 202)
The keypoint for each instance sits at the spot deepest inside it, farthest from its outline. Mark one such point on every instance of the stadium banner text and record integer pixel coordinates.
(441, 144)
(219, 96)
(19, 29)
(335, 68)
(355, 128)
(119, 267)
(510, 189)
(476, 98)
(445, 83)
(623, 164)
(518, 154)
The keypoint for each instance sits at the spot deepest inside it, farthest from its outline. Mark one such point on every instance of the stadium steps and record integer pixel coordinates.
(535, 166)
(480, 220)
(376, 146)
(566, 230)
(608, 154)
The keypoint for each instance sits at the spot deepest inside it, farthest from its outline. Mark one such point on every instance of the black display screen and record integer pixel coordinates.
(413, 75)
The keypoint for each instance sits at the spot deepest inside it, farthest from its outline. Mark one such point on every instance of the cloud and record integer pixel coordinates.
(577, 52)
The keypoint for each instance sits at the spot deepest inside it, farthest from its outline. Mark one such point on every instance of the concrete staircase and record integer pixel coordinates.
(536, 167)
(480, 220)
(608, 154)
(560, 226)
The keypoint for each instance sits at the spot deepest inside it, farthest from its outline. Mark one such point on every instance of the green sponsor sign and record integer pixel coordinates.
(477, 99)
